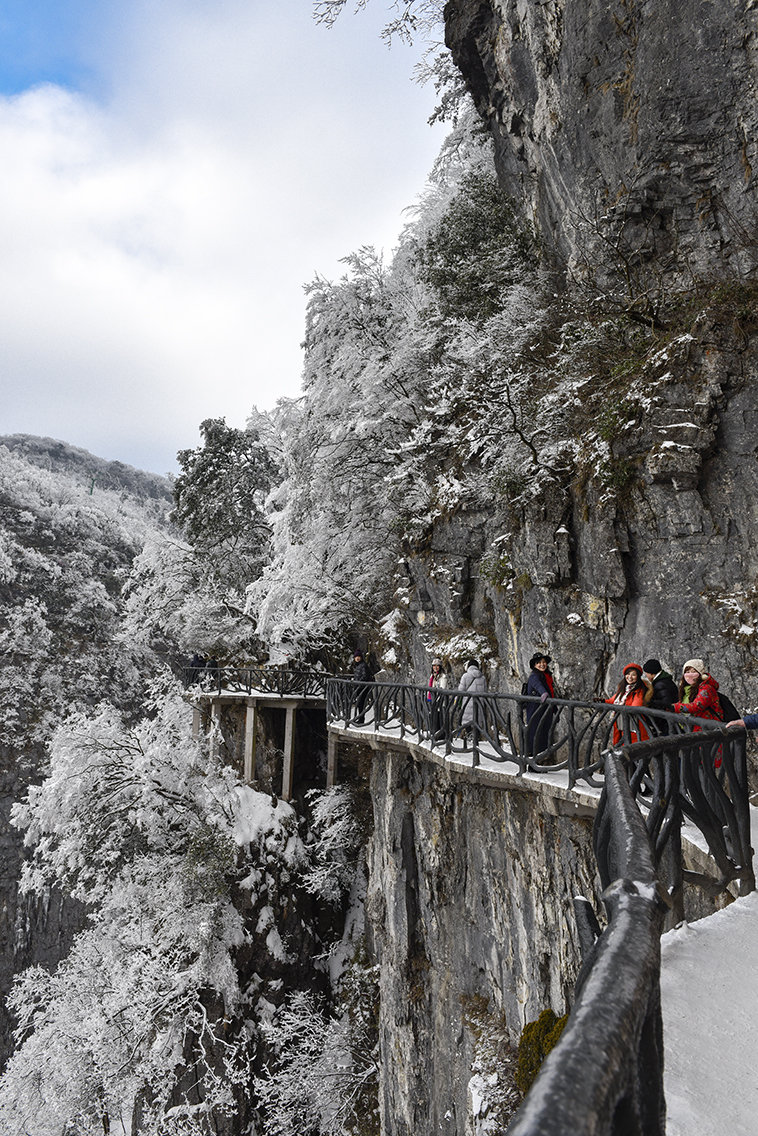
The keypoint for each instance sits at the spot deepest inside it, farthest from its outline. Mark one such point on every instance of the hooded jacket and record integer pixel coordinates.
(474, 682)
(632, 698)
(705, 703)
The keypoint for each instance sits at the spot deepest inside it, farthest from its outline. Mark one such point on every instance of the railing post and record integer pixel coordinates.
(331, 761)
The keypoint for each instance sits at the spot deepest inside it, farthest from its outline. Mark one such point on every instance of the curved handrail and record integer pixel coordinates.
(605, 1075)
(284, 683)
(558, 734)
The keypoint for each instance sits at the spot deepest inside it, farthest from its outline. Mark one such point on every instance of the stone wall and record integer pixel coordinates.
(470, 906)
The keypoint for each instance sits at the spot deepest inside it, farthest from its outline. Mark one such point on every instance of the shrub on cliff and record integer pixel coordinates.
(537, 1039)
(477, 251)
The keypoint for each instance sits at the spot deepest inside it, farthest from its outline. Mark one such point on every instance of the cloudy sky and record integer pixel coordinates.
(174, 171)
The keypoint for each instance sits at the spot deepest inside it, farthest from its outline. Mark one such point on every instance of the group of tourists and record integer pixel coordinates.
(645, 685)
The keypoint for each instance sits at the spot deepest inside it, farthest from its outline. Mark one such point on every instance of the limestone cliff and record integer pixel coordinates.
(470, 904)
(628, 122)
(626, 131)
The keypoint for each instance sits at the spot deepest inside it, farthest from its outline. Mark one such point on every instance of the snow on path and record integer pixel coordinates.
(709, 991)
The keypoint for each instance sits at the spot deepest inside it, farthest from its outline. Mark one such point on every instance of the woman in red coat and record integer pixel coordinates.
(633, 690)
(698, 693)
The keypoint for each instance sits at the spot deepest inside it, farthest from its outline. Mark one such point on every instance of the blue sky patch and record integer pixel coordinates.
(48, 41)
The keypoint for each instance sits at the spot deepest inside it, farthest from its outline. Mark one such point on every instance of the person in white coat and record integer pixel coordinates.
(472, 682)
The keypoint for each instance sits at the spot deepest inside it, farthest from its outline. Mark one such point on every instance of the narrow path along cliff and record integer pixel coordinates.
(709, 992)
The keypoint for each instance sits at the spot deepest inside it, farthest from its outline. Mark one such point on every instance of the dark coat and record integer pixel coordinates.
(665, 692)
(362, 672)
(536, 686)
(539, 717)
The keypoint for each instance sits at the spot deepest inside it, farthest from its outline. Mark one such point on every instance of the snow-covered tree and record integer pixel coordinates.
(143, 1016)
(219, 495)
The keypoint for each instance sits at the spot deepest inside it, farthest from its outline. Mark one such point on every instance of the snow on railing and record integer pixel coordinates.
(248, 680)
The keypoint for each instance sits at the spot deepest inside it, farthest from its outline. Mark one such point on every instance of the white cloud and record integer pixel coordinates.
(156, 240)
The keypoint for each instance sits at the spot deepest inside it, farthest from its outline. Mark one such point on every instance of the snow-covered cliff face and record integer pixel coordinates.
(627, 126)
(646, 548)
(470, 904)
(624, 527)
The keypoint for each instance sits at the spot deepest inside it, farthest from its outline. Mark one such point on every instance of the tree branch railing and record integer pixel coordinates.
(561, 734)
(605, 1075)
(683, 768)
(285, 683)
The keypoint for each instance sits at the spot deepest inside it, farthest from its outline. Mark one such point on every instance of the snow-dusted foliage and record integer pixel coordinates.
(336, 844)
(146, 829)
(66, 546)
(189, 595)
(173, 605)
(415, 395)
(325, 1079)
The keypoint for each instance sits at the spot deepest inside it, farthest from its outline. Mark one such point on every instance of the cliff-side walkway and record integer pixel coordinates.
(709, 993)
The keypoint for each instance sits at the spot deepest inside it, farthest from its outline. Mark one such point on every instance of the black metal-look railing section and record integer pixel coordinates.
(702, 777)
(605, 1076)
(246, 680)
(560, 734)
(681, 768)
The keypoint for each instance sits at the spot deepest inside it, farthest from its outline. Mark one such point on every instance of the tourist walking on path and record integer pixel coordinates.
(472, 682)
(633, 690)
(361, 673)
(437, 681)
(698, 693)
(539, 717)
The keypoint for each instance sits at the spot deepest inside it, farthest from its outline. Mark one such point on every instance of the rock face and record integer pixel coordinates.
(470, 904)
(626, 130)
(626, 126)
(664, 566)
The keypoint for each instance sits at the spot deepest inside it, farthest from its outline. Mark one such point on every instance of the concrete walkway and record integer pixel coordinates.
(709, 990)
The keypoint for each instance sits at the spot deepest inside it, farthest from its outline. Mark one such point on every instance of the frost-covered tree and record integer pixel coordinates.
(143, 1016)
(219, 494)
(66, 547)
(420, 391)
(324, 1080)
(333, 545)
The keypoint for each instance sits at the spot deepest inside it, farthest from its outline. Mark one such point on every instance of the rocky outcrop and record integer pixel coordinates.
(470, 905)
(626, 131)
(645, 546)
(628, 128)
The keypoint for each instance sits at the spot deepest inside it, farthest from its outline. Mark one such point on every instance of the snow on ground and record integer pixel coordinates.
(709, 991)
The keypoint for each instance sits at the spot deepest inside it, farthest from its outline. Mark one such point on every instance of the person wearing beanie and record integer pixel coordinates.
(437, 681)
(698, 693)
(539, 717)
(633, 690)
(665, 692)
(362, 674)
